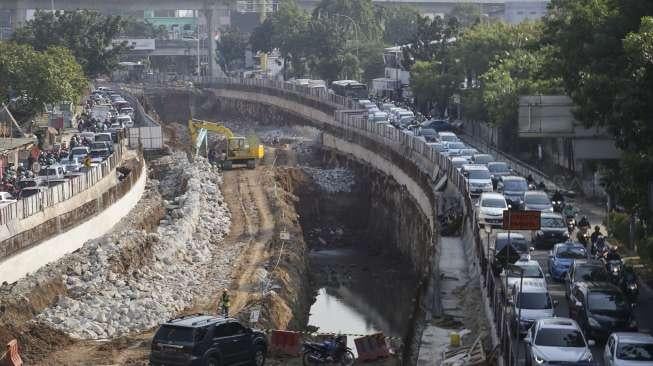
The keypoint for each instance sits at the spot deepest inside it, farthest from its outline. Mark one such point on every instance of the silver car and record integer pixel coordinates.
(628, 349)
(556, 340)
(533, 302)
(537, 201)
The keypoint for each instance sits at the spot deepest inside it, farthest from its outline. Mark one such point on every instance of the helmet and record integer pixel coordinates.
(597, 228)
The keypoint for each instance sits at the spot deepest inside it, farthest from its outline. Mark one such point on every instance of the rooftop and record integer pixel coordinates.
(7, 144)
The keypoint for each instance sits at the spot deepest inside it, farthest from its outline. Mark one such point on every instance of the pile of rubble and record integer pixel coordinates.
(109, 295)
(332, 180)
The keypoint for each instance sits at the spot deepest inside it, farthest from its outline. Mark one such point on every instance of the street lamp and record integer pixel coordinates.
(355, 29)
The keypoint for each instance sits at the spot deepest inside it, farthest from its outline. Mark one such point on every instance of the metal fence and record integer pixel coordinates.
(427, 159)
(51, 196)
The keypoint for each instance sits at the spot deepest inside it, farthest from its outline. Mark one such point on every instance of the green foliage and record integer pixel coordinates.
(87, 34)
(140, 28)
(432, 40)
(400, 24)
(466, 14)
(434, 83)
(362, 12)
(230, 50)
(35, 78)
(371, 60)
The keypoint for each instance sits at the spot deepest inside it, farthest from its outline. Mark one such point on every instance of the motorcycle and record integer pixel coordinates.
(583, 238)
(330, 351)
(629, 285)
(615, 268)
(558, 206)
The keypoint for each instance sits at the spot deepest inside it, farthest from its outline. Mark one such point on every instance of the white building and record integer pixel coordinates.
(520, 10)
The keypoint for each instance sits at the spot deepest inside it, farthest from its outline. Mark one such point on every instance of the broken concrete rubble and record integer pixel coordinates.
(332, 180)
(107, 300)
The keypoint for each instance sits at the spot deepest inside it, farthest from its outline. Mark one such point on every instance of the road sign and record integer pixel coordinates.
(254, 315)
(521, 220)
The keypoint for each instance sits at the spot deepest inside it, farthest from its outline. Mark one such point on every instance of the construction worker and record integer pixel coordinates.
(224, 303)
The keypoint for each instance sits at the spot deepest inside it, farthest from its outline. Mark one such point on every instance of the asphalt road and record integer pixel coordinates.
(643, 313)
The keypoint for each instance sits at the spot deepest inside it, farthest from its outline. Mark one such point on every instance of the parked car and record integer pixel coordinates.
(513, 188)
(508, 248)
(562, 256)
(557, 341)
(537, 201)
(628, 349)
(529, 302)
(528, 268)
(600, 308)
(204, 340)
(497, 170)
(489, 209)
(585, 271)
(482, 159)
(553, 229)
(478, 179)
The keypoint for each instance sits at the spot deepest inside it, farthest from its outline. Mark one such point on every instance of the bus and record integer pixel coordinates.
(349, 88)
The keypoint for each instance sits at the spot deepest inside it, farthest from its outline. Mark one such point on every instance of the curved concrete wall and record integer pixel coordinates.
(50, 250)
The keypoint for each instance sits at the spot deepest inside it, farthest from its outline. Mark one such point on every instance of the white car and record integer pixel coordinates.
(489, 209)
(125, 120)
(445, 136)
(557, 341)
(6, 198)
(479, 179)
(529, 303)
(530, 269)
(79, 152)
(628, 349)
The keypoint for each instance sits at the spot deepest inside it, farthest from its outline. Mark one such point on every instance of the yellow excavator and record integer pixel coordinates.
(240, 150)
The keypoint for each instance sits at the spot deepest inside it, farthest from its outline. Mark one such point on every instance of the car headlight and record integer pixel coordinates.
(593, 323)
(539, 360)
(539, 233)
(632, 286)
(615, 270)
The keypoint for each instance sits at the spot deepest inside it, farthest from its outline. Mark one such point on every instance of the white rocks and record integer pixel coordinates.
(186, 259)
(332, 180)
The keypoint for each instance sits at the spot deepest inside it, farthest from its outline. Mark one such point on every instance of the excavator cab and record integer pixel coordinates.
(240, 150)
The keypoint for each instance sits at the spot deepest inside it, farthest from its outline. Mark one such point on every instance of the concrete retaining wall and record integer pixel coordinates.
(35, 257)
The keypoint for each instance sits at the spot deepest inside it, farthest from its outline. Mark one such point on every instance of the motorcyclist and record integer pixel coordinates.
(595, 235)
(599, 245)
(612, 255)
(557, 196)
(530, 180)
(584, 222)
(581, 238)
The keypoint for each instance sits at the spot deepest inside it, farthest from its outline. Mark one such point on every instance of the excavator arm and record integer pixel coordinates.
(194, 125)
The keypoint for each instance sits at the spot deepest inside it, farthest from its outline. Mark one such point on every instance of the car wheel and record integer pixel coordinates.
(213, 361)
(259, 356)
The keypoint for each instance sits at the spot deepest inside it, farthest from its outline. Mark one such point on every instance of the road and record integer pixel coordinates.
(643, 316)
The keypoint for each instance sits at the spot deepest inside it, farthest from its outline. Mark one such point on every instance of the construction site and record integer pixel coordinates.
(304, 236)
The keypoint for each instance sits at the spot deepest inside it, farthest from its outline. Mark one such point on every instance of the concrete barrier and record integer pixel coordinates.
(35, 257)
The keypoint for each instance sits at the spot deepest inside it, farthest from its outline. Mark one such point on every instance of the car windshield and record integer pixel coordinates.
(554, 337)
(479, 174)
(448, 138)
(534, 300)
(553, 222)
(174, 334)
(79, 151)
(482, 159)
(591, 273)
(606, 301)
(537, 199)
(569, 252)
(530, 271)
(517, 243)
(48, 171)
(455, 145)
(498, 167)
(458, 163)
(494, 203)
(518, 185)
(635, 351)
(98, 153)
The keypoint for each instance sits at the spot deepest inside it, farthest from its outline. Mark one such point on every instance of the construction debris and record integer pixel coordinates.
(332, 180)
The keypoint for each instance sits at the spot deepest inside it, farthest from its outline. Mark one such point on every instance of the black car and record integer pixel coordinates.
(205, 340)
(585, 271)
(508, 248)
(601, 309)
(438, 125)
(513, 188)
(430, 135)
(553, 229)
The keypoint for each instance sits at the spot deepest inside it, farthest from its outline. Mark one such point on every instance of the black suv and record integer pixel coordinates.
(204, 340)
(584, 271)
(600, 309)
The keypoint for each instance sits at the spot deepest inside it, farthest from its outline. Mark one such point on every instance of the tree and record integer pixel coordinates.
(140, 28)
(434, 83)
(230, 50)
(32, 78)
(466, 14)
(362, 13)
(87, 34)
(432, 40)
(327, 48)
(400, 25)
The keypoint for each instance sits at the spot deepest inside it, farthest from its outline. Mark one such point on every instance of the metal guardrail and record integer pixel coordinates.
(51, 196)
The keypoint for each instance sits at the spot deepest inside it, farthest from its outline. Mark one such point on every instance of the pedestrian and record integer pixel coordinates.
(224, 303)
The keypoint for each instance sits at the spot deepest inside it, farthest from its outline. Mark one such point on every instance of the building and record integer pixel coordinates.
(523, 10)
(15, 150)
